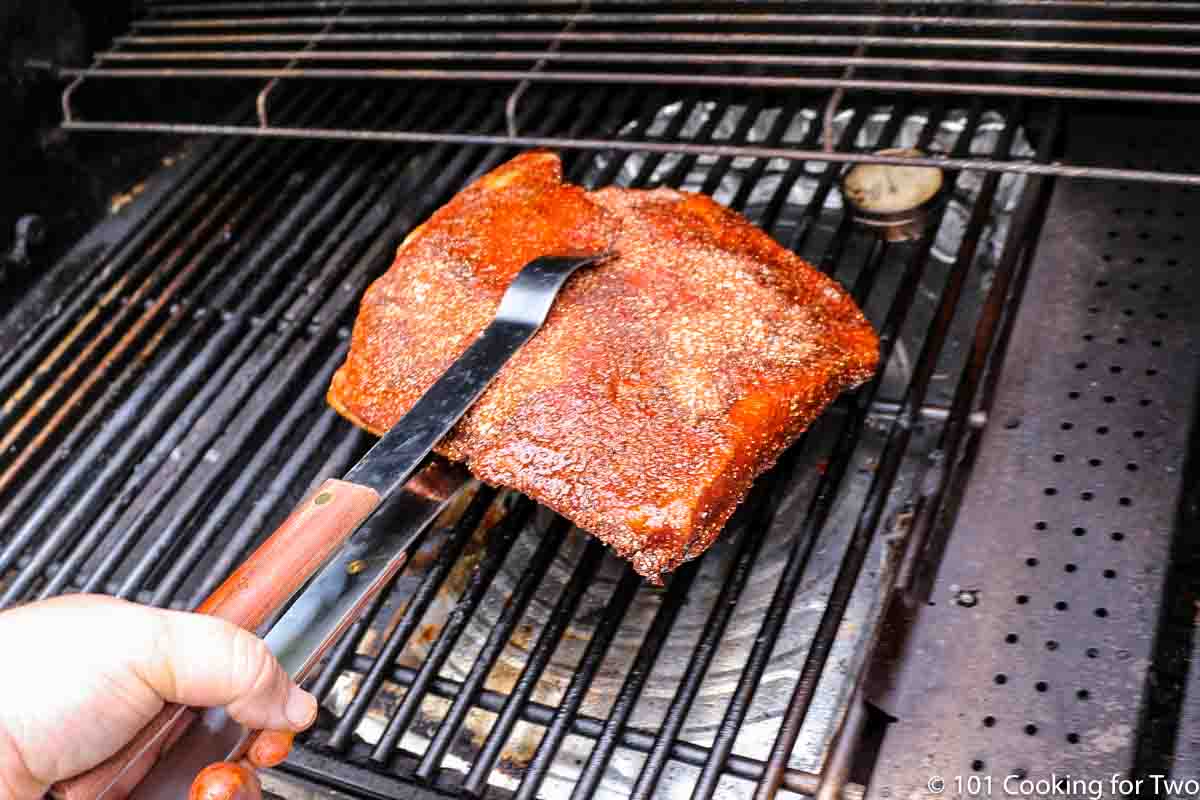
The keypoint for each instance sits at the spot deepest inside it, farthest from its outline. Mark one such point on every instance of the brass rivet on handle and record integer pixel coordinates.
(355, 567)
(322, 498)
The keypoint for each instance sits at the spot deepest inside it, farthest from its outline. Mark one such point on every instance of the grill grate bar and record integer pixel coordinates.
(660, 37)
(978, 376)
(619, 108)
(705, 136)
(141, 399)
(340, 738)
(602, 752)
(450, 173)
(39, 390)
(539, 657)
(399, 721)
(638, 78)
(217, 351)
(681, 703)
(384, 750)
(37, 515)
(897, 442)
(650, 105)
(699, 18)
(991, 329)
(339, 252)
(721, 168)
(795, 169)
(201, 538)
(652, 160)
(611, 619)
(482, 577)
(674, 59)
(637, 739)
(824, 186)
(75, 322)
(170, 538)
(211, 164)
(340, 201)
(216, 381)
(431, 584)
(61, 388)
(615, 730)
(749, 540)
(826, 490)
(600, 757)
(455, 541)
(839, 460)
(61, 575)
(763, 506)
(167, 8)
(986, 165)
(191, 456)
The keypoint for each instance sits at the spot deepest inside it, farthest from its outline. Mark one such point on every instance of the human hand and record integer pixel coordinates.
(82, 674)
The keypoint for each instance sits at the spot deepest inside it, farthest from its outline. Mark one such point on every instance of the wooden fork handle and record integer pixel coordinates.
(256, 590)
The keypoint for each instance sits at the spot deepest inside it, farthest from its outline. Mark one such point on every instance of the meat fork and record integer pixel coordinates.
(335, 531)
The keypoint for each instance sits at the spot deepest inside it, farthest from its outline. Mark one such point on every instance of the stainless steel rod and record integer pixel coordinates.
(704, 18)
(731, 151)
(655, 37)
(683, 59)
(653, 79)
(302, 5)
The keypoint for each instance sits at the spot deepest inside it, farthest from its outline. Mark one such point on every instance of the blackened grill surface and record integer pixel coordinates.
(515, 654)
(208, 423)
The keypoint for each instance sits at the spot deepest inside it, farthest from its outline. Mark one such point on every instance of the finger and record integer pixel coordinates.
(203, 661)
(226, 780)
(270, 748)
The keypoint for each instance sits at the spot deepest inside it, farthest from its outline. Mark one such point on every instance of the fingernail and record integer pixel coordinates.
(226, 781)
(301, 708)
(270, 748)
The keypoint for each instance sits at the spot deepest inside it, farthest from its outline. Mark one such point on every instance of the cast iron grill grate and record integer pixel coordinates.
(170, 409)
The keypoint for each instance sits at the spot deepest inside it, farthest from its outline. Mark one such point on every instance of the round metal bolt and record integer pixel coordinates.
(967, 598)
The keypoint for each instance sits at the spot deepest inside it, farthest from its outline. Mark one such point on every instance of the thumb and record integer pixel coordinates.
(198, 660)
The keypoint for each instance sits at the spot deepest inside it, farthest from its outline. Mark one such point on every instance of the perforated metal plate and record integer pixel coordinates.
(1063, 535)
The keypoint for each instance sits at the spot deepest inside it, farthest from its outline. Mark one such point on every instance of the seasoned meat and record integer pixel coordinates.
(664, 381)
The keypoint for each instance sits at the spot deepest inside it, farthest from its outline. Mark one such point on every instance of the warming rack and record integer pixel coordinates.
(1127, 51)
